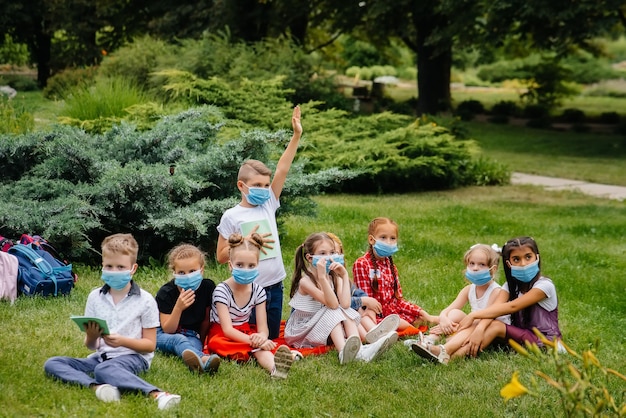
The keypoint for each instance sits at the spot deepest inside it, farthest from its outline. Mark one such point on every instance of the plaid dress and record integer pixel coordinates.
(389, 292)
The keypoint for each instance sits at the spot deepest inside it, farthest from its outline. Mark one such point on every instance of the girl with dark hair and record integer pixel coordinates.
(527, 295)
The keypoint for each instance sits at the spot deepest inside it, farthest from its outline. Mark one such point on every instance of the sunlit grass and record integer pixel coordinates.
(583, 249)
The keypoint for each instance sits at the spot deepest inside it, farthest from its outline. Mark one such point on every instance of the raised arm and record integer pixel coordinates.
(284, 163)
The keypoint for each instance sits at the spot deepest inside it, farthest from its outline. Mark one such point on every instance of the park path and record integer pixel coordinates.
(554, 183)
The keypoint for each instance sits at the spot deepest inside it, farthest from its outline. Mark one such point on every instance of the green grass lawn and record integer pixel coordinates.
(593, 157)
(583, 250)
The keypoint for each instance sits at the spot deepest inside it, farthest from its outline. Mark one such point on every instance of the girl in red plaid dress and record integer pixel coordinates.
(377, 275)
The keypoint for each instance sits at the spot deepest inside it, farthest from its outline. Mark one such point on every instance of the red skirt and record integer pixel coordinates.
(223, 346)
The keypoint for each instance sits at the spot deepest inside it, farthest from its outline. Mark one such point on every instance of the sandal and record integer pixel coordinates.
(423, 351)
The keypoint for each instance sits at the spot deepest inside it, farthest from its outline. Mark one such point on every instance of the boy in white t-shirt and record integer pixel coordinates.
(257, 213)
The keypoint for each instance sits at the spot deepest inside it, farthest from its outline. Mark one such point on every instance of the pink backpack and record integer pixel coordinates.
(8, 276)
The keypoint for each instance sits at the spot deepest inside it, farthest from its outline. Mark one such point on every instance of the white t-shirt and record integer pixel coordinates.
(271, 270)
(544, 284)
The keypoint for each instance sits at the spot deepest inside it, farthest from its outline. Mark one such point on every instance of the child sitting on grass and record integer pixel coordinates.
(184, 304)
(320, 298)
(132, 317)
(231, 335)
(481, 264)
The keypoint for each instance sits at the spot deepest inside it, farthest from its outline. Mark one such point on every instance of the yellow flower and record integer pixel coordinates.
(521, 350)
(513, 389)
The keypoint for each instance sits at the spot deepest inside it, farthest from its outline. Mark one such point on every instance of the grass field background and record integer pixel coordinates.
(583, 249)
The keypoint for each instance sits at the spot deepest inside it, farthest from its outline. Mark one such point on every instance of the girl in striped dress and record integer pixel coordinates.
(231, 335)
(320, 298)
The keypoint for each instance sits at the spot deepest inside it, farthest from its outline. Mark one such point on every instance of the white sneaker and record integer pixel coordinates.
(167, 400)
(373, 351)
(350, 350)
(108, 393)
(388, 324)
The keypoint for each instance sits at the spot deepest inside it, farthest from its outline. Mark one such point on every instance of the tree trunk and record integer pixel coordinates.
(433, 71)
(43, 49)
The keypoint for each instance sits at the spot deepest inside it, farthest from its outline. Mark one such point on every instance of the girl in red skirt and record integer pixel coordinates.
(231, 335)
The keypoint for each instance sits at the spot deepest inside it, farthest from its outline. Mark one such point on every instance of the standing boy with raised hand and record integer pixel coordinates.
(132, 317)
(257, 213)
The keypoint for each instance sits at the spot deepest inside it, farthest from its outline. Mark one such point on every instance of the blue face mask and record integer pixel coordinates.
(527, 273)
(257, 195)
(188, 281)
(385, 250)
(245, 276)
(116, 279)
(324, 258)
(479, 277)
(338, 258)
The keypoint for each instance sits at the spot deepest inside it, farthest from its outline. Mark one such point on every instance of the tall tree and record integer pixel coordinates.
(433, 29)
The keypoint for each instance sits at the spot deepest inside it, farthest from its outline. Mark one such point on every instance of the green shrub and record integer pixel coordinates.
(62, 84)
(98, 107)
(505, 108)
(392, 153)
(468, 108)
(136, 61)
(407, 73)
(583, 68)
(13, 53)
(19, 82)
(609, 117)
(535, 111)
(89, 185)
(14, 121)
(572, 116)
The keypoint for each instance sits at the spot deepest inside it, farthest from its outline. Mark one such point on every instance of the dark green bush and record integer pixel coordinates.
(62, 84)
(393, 154)
(75, 188)
(609, 117)
(505, 108)
(467, 109)
(535, 111)
(572, 116)
(19, 82)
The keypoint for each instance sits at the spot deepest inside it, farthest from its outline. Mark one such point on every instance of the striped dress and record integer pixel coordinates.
(311, 322)
(217, 342)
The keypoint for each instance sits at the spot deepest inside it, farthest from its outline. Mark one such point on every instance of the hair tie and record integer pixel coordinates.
(496, 248)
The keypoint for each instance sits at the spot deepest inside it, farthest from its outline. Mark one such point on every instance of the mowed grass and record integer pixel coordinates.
(593, 157)
(583, 250)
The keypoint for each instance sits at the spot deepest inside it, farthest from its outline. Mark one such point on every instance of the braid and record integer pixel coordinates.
(375, 263)
(395, 277)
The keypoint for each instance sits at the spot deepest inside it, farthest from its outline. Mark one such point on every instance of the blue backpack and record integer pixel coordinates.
(40, 273)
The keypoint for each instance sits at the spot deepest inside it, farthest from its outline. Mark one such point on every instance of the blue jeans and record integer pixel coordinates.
(274, 309)
(120, 371)
(178, 342)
